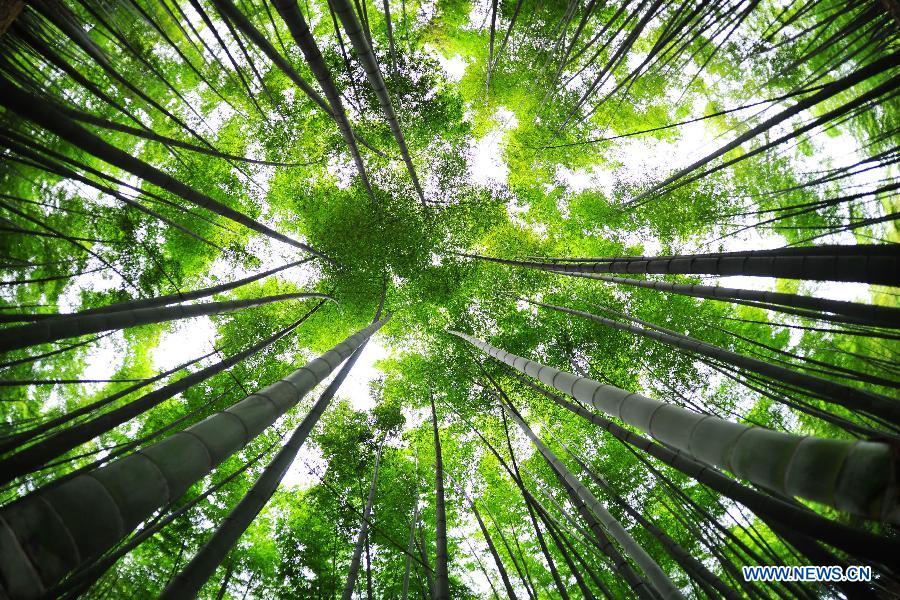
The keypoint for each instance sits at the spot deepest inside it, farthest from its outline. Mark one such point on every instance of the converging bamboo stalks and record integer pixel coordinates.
(67, 326)
(633, 266)
(98, 509)
(189, 581)
(851, 476)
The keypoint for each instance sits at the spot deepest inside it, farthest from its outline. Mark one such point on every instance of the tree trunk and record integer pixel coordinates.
(23, 31)
(72, 240)
(189, 581)
(16, 440)
(58, 14)
(248, 587)
(76, 324)
(599, 537)
(254, 35)
(855, 542)
(563, 549)
(75, 585)
(836, 87)
(423, 552)
(390, 35)
(441, 573)
(60, 350)
(581, 560)
(691, 565)
(509, 28)
(863, 263)
(225, 580)
(166, 141)
(41, 112)
(370, 592)
(38, 455)
(517, 478)
(71, 523)
(504, 576)
(58, 169)
(869, 314)
(658, 579)
(363, 532)
(490, 61)
(849, 397)
(817, 555)
(850, 476)
(512, 557)
(364, 53)
(292, 16)
(186, 296)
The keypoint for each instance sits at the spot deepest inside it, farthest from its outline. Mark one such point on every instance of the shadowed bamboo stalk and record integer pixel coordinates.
(658, 579)
(564, 546)
(504, 576)
(70, 524)
(856, 542)
(242, 23)
(81, 324)
(870, 314)
(578, 528)
(39, 111)
(691, 565)
(585, 567)
(9, 10)
(852, 476)
(348, 18)
(816, 554)
(838, 393)
(846, 82)
(166, 141)
(189, 581)
(389, 27)
(10, 442)
(863, 263)
(423, 552)
(526, 584)
(79, 582)
(441, 572)
(64, 19)
(296, 25)
(363, 533)
(597, 535)
(410, 546)
(38, 456)
(192, 295)
(535, 509)
(517, 478)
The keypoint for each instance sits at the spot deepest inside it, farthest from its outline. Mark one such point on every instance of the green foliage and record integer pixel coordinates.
(555, 189)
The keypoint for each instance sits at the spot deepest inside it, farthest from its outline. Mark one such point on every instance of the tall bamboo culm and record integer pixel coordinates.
(47, 534)
(853, 476)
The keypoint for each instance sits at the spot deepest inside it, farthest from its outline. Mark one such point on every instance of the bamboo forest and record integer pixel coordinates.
(433, 299)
